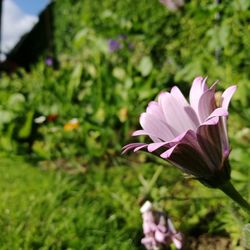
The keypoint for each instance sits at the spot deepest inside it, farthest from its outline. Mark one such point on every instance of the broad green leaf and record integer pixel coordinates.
(26, 129)
(145, 66)
(74, 80)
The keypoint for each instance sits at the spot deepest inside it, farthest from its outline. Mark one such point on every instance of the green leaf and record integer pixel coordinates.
(6, 116)
(119, 73)
(16, 102)
(74, 80)
(145, 66)
(26, 130)
(238, 176)
(246, 236)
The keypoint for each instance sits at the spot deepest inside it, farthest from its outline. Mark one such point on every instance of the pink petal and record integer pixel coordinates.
(131, 146)
(155, 128)
(212, 121)
(154, 146)
(168, 152)
(196, 91)
(217, 112)
(192, 115)
(140, 147)
(224, 135)
(155, 110)
(182, 138)
(151, 135)
(176, 93)
(189, 156)
(159, 236)
(206, 105)
(176, 117)
(140, 132)
(191, 160)
(149, 242)
(209, 138)
(177, 240)
(171, 227)
(227, 95)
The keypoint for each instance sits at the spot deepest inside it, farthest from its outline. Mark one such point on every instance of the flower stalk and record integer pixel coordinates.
(230, 191)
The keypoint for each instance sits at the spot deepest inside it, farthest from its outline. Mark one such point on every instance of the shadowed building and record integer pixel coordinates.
(38, 42)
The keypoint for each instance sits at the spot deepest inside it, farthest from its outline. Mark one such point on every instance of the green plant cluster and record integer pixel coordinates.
(46, 209)
(107, 90)
(53, 210)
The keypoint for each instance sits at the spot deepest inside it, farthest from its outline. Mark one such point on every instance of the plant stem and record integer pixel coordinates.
(230, 191)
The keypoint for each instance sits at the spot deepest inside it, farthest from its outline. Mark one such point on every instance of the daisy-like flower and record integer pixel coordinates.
(192, 136)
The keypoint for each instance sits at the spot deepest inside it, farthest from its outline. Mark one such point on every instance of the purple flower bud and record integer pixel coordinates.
(49, 61)
(114, 45)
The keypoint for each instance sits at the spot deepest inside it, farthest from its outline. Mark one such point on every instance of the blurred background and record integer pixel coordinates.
(75, 76)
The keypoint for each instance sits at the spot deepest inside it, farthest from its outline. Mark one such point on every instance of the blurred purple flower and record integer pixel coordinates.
(158, 230)
(121, 41)
(172, 5)
(193, 137)
(114, 45)
(49, 61)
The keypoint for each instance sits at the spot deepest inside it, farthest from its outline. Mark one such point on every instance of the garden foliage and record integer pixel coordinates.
(102, 86)
(115, 56)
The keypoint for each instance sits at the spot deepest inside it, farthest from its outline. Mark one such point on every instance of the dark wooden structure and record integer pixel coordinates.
(38, 42)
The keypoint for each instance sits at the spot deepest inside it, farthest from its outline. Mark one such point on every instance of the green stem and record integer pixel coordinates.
(230, 191)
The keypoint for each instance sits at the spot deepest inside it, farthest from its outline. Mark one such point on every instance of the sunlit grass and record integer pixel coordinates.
(99, 209)
(52, 210)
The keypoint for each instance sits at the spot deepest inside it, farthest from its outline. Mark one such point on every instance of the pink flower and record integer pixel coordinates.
(158, 230)
(192, 136)
(172, 4)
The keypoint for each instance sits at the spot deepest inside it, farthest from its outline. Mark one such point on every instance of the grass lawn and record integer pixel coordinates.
(99, 209)
(53, 210)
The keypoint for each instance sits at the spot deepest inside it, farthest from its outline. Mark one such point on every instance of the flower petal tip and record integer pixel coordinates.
(227, 95)
(168, 153)
(154, 146)
(137, 132)
(140, 147)
(198, 79)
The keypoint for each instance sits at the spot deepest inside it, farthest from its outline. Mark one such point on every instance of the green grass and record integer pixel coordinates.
(53, 210)
(99, 209)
